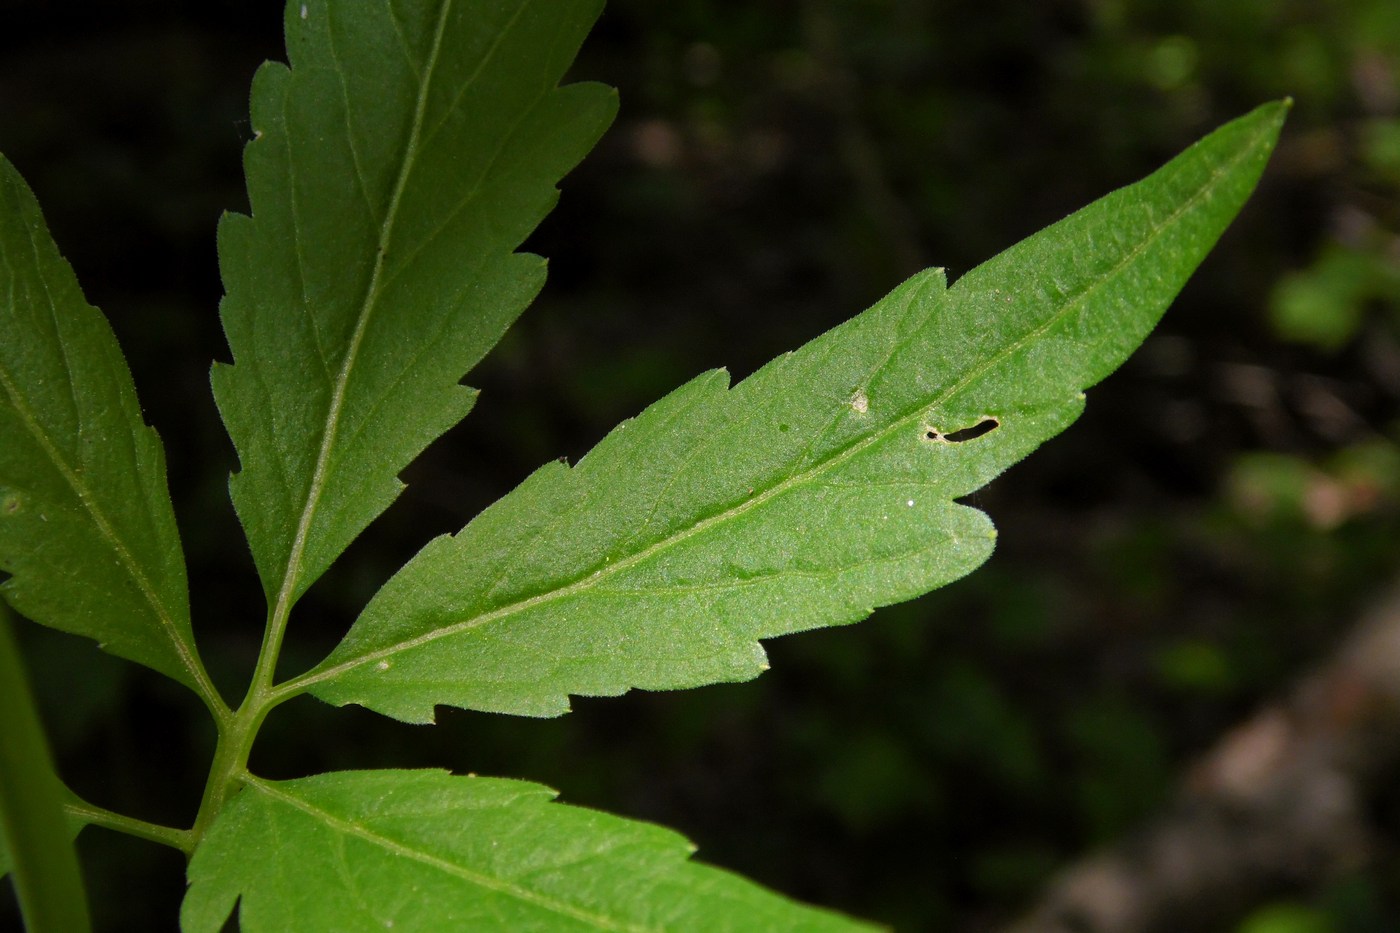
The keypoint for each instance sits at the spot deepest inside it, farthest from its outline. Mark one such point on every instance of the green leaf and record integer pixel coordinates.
(35, 836)
(407, 151)
(818, 488)
(426, 850)
(87, 532)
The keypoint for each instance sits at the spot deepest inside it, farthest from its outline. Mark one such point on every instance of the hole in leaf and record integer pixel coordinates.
(985, 426)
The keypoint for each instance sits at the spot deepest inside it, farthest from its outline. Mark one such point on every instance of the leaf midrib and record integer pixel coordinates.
(360, 831)
(374, 289)
(320, 473)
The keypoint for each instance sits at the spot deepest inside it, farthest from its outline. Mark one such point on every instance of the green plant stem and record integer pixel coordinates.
(44, 866)
(107, 819)
(289, 689)
(238, 731)
(230, 762)
(209, 694)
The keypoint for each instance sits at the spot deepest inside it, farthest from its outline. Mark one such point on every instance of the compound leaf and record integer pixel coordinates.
(396, 165)
(426, 850)
(816, 489)
(87, 532)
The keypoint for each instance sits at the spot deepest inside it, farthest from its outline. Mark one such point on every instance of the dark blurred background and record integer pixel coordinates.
(1205, 535)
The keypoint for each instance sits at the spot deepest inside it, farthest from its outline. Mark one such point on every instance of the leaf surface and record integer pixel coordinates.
(87, 532)
(818, 488)
(426, 850)
(396, 165)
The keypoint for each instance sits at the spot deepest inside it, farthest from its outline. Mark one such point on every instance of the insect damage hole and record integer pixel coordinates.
(985, 426)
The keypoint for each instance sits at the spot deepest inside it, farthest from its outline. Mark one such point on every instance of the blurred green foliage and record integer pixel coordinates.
(1285, 917)
(1202, 537)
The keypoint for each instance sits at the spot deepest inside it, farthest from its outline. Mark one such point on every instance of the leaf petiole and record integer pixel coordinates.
(94, 815)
